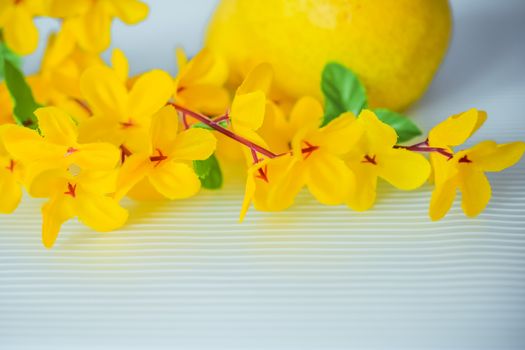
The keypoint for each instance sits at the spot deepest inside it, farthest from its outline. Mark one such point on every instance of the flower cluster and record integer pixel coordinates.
(85, 135)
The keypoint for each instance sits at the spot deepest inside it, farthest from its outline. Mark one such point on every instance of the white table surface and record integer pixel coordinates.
(312, 277)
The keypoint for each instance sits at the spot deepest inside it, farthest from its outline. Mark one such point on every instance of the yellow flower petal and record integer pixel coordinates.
(54, 213)
(442, 199)
(258, 79)
(149, 94)
(248, 110)
(145, 192)
(206, 68)
(380, 136)
(130, 11)
(194, 144)
(20, 33)
(249, 192)
(328, 178)
(45, 184)
(93, 28)
(57, 126)
(134, 169)
(68, 8)
(404, 169)
(456, 129)
(98, 181)
(490, 156)
(175, 180)
(96, 156)
(340, 135)
(475, 190)
(164, 127)
(362, 193)
(25, 144)
(99, 212)
(182, 58)
(307, 111)
(120, 64)
(207, 99)
(104, 92)
(11, 192)
(285, 186)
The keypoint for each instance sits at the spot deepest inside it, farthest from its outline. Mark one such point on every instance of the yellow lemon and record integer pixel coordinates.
(394, 46)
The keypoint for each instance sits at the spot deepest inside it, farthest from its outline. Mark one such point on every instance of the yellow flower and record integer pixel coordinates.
(16, 22)
(374, 156)
(57, 147)
(199, 83)
(278, 131)
(247, 113)
(261, 178)
(452, 132)
(58, 81)
(120, 116)
(84, 195)
(6, 111)
(465, 169)
(166, 164)
(318, 161)
(90, 20)
(11, 173)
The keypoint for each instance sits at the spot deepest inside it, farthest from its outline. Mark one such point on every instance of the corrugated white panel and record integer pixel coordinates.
(186, 275)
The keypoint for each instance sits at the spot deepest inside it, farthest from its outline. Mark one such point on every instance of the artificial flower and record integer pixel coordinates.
(57, 146)
(58, 81)
(318, 161)
(120, 116)
(247, 113)
(11, 173)
(199, 83)
(374, 156)
(465, 170)
(90, 20)
(452, 132)
(16, 21)
(85, 195)
(6, 109)
(261, 178)
(166, 164)
(278, 131)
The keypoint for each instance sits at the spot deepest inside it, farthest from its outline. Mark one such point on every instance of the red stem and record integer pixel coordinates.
(426, 149)
(212, 124)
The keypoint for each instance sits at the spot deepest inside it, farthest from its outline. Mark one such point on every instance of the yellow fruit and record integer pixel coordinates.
(395, 46)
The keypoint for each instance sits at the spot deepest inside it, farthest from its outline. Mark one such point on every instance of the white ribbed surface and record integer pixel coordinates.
(186, 276)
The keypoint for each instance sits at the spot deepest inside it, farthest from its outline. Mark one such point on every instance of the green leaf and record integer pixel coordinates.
(342, 90)
(7, 54)
(405, 128)
(24, 102)
(201, 125)
(209, 172)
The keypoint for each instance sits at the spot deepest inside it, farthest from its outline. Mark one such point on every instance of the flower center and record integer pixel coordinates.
(11, 166)
(159, 158)
(124, 153)
(128, 124)
(308, 150)
(71, 190)
(263, 174)
(70, 151)
(464, 159)
(369, 159)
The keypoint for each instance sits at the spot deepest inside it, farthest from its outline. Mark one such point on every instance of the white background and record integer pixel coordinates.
(187, 276)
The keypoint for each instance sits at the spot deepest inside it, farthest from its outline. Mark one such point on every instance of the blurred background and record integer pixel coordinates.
(309, 278)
